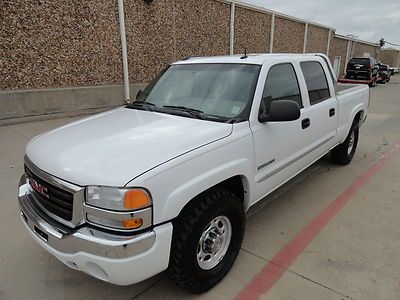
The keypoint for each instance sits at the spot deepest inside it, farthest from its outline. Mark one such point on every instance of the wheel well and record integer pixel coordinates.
(235, 185)
(358, 118)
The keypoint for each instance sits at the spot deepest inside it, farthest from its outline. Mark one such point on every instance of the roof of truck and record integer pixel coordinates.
(257, 59)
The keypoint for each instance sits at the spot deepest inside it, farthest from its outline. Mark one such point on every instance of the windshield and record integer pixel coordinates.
(214, 90)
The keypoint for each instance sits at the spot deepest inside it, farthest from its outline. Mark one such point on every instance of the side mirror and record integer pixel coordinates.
(281, 111)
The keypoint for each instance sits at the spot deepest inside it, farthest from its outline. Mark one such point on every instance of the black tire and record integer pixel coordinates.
(341, 154)
(184, 269)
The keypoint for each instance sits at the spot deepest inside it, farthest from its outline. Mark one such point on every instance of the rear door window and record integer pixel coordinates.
(317, 85)
(281, 84)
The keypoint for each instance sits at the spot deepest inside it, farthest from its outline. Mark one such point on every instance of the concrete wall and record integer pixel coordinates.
(51, 44)
(23, 103)
(390, 57)
(339, 48)
(259, 24)
(289, 36)
(48, 45)
(202, 28)
(149, 36)
(361, 50)
(317, 39)
(59, 43)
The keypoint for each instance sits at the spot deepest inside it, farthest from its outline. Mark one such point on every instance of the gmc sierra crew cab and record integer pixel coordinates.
(164, 182)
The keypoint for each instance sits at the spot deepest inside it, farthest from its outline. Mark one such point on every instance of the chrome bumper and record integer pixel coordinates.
(82, 239)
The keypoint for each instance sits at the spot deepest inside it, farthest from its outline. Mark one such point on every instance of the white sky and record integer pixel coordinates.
(370, 20)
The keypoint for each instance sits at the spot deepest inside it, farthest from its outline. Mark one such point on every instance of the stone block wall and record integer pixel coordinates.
(252, 31)
(317, 39)
(339, 49)
(288, 36)
(45, 43)
(66, 43)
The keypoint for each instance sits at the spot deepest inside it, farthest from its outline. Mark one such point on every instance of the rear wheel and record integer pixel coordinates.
(206, 240)
(343, 153)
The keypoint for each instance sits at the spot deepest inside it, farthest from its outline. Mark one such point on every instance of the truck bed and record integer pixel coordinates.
(350, 97)
(342, 88)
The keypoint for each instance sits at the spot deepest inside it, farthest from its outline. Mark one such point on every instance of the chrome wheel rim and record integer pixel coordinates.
(351, 143)
(214, 242)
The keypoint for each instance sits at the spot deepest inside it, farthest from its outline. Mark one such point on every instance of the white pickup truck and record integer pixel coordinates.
(164, 183)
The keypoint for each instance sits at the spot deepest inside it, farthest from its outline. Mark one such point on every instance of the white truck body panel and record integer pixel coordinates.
(121, 142)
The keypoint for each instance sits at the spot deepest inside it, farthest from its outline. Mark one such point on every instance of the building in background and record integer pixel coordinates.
(390, 57)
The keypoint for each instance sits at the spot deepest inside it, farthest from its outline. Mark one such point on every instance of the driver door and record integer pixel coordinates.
(280, 147)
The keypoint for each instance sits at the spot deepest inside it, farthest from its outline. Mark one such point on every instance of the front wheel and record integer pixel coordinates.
(206, 240)
(343, 153)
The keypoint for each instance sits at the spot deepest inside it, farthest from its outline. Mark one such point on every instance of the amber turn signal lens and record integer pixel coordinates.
(135, 199)
(132, 223)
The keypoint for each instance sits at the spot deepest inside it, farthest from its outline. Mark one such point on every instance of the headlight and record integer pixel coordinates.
(122, 199)
(118, 208)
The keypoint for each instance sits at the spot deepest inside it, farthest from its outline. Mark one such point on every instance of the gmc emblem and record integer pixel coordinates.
(42, 190)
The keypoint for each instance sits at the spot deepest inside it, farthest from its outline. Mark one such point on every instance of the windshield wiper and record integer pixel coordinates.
(146, 104)
(233, 120)
(192, 111)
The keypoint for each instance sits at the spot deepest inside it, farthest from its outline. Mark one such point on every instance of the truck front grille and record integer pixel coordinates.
(53, 199)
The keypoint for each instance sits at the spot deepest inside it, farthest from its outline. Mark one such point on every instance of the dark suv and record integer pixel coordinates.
(384, 73)
(361, 67)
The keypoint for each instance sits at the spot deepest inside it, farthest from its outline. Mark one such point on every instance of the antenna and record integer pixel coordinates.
(245, 54)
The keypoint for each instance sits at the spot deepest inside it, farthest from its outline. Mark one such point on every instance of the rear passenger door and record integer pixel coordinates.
(323, 111)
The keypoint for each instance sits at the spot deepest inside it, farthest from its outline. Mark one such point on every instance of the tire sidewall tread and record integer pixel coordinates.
(183, 268)
(339, 154)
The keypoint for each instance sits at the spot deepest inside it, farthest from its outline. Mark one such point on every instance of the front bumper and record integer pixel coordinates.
(116, 259)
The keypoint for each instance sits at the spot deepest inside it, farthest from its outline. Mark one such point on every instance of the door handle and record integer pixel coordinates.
(305, 123)
(332, 112)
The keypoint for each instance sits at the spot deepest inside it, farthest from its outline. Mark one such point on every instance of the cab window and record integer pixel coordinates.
(316, 82)
(281, 84)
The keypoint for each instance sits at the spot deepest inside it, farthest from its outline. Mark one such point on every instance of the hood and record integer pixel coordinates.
(114, 147)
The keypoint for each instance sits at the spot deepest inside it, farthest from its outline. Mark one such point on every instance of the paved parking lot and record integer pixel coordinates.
(333, 234)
